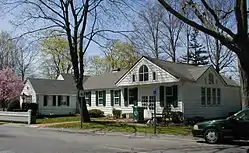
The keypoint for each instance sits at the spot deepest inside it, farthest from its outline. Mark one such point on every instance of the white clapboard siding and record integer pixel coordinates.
(56, 110)
(161, 75)
(28, 90)
(230, 101)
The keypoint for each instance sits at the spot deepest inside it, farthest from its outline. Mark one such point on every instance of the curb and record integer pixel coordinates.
(129, 135)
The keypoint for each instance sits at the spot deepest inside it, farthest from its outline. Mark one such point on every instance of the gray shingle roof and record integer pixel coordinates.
(186, 71)
(104, 81)
(48, 86)
(179, 70)
(230, 81)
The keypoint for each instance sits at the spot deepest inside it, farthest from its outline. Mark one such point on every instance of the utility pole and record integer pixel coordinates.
(154, 118)
(80, 97)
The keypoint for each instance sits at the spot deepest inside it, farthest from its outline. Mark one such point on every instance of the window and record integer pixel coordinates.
(116, 97)
(210, 78)
(133, 78)
(45, 100)
(151, 102)
(54, 100)
(101, 97)
(214, 96)
(144, 102)
(133, 96)
(88, 98)
(143, 73)
(154, 75)
(64, 100)
(208, 96)
(203, 96)
(218, 96)
(68, 101)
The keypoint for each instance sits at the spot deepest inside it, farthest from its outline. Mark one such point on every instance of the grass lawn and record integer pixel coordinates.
(61, 119)
(58, 119)
(122, 127)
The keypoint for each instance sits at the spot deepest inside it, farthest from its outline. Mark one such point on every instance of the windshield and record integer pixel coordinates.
(240, 114)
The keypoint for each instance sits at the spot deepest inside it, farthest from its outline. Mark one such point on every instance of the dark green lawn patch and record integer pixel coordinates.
(124, 127)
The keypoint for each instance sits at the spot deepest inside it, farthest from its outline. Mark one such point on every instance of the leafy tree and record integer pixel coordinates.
(120, 55)
(97, 65)
(10, 86)
(56, 56)
(197, 51)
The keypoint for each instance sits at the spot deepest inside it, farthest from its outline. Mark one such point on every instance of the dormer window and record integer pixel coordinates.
(210, 78)
(143, 73)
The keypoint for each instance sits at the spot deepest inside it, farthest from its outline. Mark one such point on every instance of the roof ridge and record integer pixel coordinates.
(177, 62)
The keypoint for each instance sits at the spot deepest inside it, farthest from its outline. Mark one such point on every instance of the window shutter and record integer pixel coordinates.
(97, 98)
(104, 98)
(175, 96)
(125, 96)
(112, 98)
(59, 100)
(68, 103)
(54, 100)
(161, 92)
(119, 92)
(89, 96)
(135, 96)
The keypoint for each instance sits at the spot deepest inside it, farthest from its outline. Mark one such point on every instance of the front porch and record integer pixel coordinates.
(142, 95)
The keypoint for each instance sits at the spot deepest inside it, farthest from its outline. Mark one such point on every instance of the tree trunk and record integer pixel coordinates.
(188, 59)
(244, 76)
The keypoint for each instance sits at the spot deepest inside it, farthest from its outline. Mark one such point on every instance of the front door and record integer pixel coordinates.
(148, 105)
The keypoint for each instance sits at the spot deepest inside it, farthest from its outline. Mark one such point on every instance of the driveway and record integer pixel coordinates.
(33, 140)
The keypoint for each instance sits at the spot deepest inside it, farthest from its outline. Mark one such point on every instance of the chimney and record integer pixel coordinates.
(115, 70)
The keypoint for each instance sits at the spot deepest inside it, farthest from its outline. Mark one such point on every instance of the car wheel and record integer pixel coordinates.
(211, 136)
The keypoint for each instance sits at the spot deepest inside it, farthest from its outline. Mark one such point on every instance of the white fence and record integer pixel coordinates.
(16, 116)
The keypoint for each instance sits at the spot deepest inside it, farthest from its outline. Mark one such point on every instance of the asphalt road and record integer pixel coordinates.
(33, 140)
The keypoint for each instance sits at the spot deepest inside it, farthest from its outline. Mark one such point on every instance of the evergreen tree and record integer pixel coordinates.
(197, 54)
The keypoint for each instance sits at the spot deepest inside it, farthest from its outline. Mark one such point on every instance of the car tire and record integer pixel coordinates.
(211, 136)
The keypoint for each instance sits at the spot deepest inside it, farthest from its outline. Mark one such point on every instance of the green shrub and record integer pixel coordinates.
(96, 113)
(177, 117)
(116, 113)
(14, 104)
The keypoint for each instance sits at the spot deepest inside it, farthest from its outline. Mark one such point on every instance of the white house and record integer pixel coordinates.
(193, 90)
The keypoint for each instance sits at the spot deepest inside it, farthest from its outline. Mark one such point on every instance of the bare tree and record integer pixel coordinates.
(157, 32)
(25, 56)
(147, 36)
(208, 21)
(7, 50)
(79, 20)
(171, 30)
(220, 56)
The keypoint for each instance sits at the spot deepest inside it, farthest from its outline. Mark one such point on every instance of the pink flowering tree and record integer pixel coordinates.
(10, 86)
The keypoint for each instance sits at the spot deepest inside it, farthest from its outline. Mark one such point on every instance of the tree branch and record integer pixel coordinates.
(218, 24)
(213, 33)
